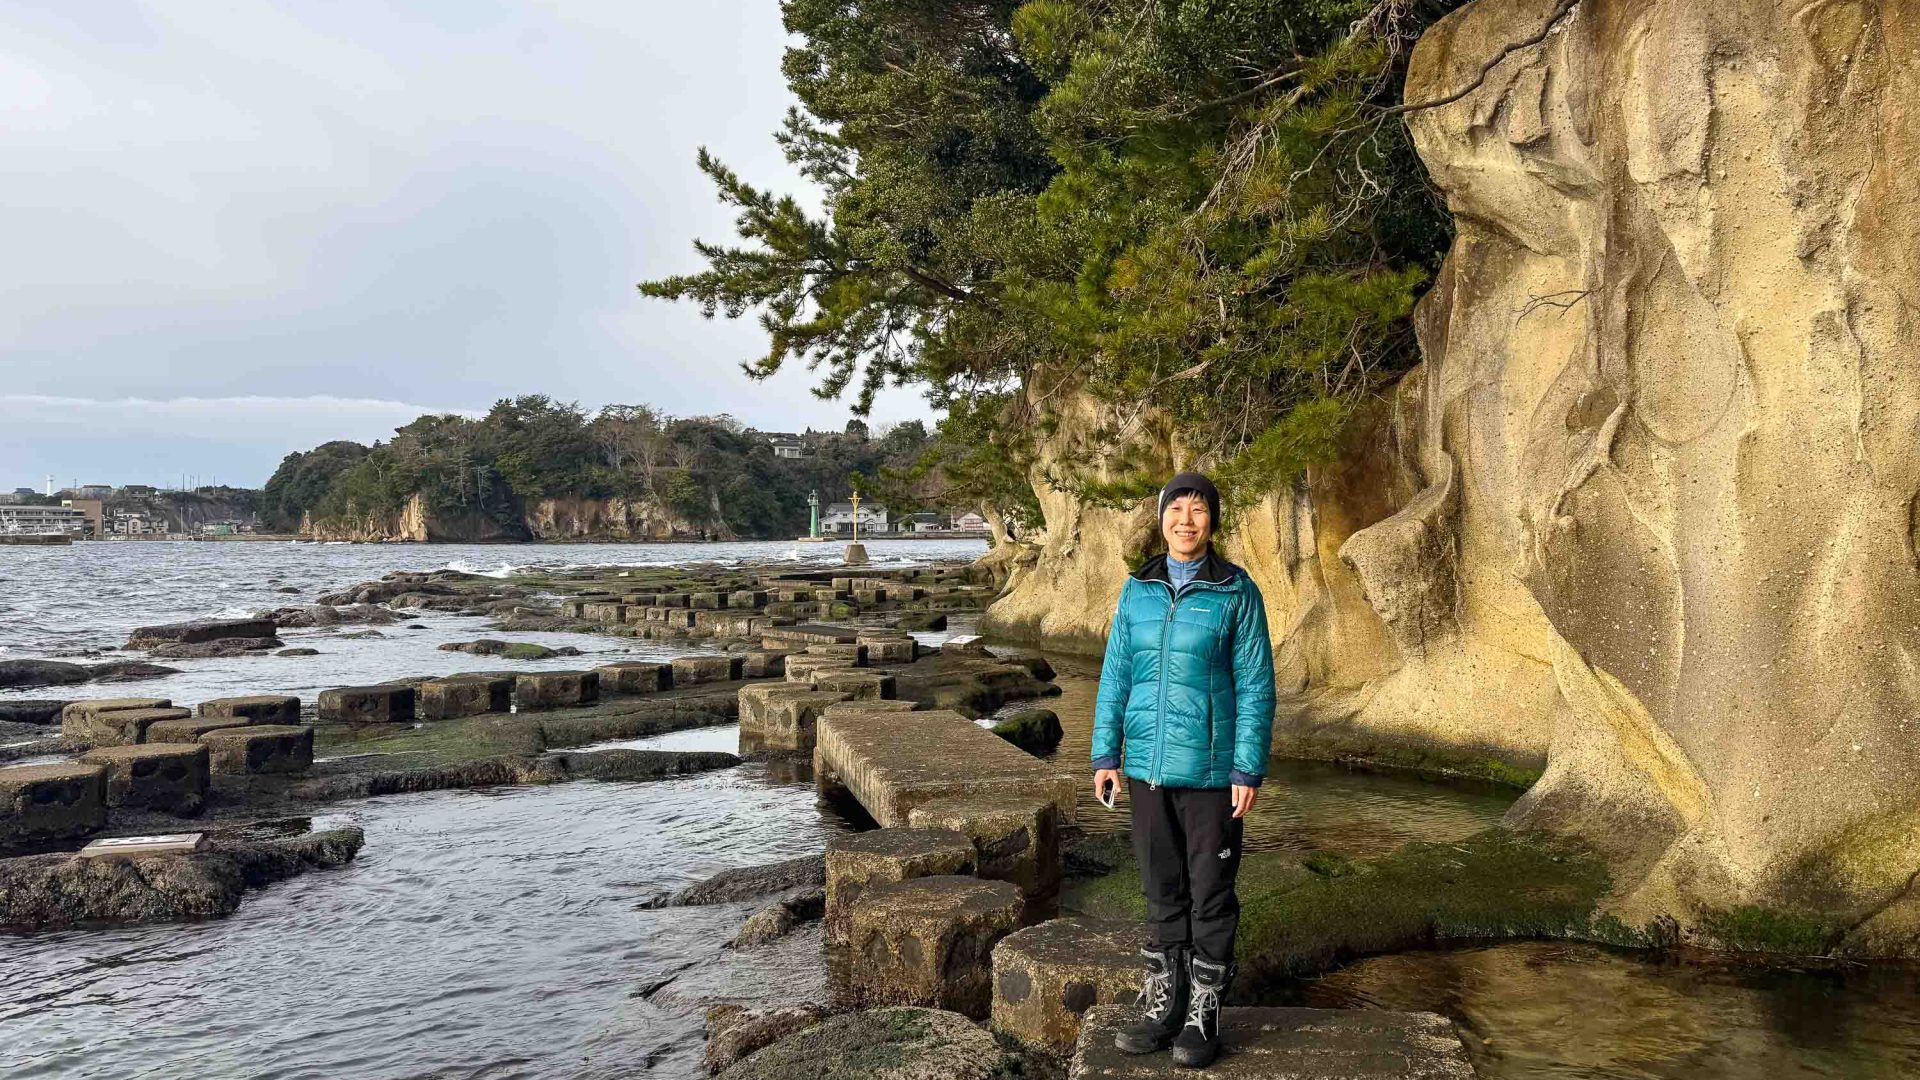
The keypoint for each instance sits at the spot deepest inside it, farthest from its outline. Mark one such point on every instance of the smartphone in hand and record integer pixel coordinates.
(1111, 793)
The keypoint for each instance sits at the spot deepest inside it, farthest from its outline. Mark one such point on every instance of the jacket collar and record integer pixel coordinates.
(1214, 569)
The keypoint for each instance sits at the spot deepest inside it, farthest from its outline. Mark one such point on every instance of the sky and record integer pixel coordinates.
(239, 228)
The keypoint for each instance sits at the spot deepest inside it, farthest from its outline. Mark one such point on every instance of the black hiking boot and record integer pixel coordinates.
(1164, 999)
(1199, 1040)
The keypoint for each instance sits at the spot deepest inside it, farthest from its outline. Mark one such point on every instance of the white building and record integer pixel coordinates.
(135, 523)
(970, 522)
(837, 519)
(40, 520)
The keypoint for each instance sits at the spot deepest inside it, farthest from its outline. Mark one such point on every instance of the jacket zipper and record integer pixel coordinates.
(1160, 719)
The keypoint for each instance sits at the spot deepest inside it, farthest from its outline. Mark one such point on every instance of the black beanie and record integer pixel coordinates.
(1193, 481)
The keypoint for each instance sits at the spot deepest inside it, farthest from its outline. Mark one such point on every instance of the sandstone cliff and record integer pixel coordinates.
(415, 522)
(548, 520)
(610, 519)
(1648, 511)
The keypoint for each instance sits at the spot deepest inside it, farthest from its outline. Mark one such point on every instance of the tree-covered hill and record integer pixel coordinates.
(711, 473)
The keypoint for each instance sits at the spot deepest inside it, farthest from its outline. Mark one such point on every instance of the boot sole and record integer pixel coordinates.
(1132, 1046)
(1194, 1059)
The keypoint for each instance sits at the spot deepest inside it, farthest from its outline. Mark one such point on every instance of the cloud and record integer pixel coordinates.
(301, 214)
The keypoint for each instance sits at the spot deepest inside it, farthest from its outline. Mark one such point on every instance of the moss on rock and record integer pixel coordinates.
(1301, 919)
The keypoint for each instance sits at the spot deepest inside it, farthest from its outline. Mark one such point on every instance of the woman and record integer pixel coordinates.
(1186, 698)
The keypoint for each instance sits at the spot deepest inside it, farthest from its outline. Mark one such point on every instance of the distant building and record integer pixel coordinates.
(26, 492)
(139, 489)
(95, 511)
(837, 519)
(10, 498)
(924, 521)
(786, 444)
(216, 528)
(93, 491)
(42, 519)
(135, 523)
(970, 522)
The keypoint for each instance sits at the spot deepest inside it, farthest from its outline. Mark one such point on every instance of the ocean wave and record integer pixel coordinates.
(462, 566)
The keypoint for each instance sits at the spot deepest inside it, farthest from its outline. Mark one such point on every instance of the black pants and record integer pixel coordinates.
(1187, 843)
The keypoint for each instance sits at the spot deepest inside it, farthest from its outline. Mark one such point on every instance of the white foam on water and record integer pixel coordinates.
(462, 566)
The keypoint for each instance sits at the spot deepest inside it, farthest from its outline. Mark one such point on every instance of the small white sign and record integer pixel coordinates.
(169, 843)
(963, 639)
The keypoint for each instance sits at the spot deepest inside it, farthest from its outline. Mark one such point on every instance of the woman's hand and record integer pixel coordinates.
(1103, 777)
(1243, 799)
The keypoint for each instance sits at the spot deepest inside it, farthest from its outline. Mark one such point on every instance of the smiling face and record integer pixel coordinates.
(1186, 526)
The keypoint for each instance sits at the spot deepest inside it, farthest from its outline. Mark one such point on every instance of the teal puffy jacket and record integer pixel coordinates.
(1186, 689)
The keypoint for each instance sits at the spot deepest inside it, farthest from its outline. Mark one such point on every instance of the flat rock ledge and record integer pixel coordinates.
(884, 1044)
(39, 892)
(1289, 1044)
(751, 882)
(611, 765)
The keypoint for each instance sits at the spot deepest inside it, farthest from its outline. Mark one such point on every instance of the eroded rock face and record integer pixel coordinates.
(1670, 404)
(1647, 514)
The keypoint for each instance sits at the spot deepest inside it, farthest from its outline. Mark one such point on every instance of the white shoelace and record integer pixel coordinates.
(1204, 998)
(1158, 988)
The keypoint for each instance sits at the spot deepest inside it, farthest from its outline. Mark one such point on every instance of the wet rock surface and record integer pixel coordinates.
(883, 1044)
(752, 882)
(1290, 1044)
(734, 1032)
(40, 892)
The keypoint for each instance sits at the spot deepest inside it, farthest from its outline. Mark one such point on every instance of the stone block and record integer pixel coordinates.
(859, 685)
(1046, 977)
(789, 596)
(115, 721)
(51, 802)
(780, 718)
(187, 731)
(803, 635)
(894, 762)
(639, 600)
(764, 664)
(463, 695)
(680, 618)
(168, 777)
(672, 600)
(389, 703)
(694, 670)
(537, 690)
(604, 612)
(1015, 839)
(929, 940)
(852, 654)
(253, 709)
(868, 708)
(869, 597)
(634, 677)
(709, 601)
(859, 861)
(890, 649)
(801, 667)
(748, 599)
(259, 748)
(1290, 1044)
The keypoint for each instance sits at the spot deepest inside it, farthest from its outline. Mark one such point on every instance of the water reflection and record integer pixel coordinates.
(1304, 806)
(1556, 1011)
